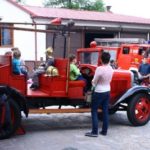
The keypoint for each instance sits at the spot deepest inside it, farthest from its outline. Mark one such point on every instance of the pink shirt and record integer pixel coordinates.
(102, 78)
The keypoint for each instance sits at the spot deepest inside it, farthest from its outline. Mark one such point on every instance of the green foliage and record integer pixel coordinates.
(20, 1)
(97, 5)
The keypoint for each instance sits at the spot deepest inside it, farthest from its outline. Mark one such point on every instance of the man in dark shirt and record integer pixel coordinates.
(144, 68)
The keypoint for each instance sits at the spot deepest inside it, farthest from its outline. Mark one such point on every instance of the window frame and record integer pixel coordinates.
(126, 50)
(11, 34)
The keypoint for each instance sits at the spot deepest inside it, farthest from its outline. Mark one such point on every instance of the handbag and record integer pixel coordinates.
(89, 95)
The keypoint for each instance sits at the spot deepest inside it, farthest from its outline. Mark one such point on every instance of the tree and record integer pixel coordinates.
(20, 1)
(97, 5)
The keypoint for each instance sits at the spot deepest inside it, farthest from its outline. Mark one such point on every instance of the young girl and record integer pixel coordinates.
(16, 63)
(74, 70)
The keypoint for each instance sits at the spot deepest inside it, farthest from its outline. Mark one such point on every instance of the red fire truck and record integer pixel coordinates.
(128, 52)
(60, 91)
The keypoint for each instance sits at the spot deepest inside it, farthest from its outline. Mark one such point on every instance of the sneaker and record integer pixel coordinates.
(90, 134)
(103, 133)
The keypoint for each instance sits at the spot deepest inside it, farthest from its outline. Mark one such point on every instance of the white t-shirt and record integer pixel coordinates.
(102, 78)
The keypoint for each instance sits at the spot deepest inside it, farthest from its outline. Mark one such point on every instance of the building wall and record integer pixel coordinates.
(24, 40)
(133, 35)
(76, 41)
(81, 39)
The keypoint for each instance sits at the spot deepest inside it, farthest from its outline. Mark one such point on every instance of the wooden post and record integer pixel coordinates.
(68, 65)
(35, 36)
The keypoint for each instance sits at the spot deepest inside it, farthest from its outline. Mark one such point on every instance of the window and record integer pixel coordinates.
(6, 36)
(126, 50)
(113, 53)
(89, 58)
(143, 51)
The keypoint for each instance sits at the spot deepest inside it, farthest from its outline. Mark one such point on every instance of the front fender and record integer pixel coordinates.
(132, 91)
(16, 96)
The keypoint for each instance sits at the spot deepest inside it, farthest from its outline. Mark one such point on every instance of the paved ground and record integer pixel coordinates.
(66, 132)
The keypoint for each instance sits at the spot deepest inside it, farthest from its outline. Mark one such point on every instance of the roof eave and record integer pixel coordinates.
(22, 8)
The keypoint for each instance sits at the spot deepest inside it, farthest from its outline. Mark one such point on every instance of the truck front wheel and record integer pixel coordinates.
(8, 128)
(138, 110)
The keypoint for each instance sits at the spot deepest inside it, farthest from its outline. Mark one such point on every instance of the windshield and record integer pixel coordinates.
(113, 54)
(89, 58)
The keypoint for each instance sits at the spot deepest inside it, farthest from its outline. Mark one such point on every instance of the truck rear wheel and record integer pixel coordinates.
(138, 110)
(7, 130)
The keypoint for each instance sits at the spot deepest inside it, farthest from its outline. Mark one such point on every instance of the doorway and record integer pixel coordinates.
(91, 36)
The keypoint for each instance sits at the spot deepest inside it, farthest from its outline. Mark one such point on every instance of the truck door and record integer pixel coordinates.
(125, 57)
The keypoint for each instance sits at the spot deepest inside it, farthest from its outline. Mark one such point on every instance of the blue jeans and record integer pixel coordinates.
(100, 99)
(80, 77)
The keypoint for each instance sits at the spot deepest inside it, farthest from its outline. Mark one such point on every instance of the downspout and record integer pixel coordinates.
(148, 36)
(35, 34)
(119, 33)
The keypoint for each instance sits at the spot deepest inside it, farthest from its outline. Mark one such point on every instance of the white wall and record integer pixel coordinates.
(24, 40)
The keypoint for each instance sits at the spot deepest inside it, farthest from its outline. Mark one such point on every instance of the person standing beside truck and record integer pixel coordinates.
(101, 95)
(144, 70)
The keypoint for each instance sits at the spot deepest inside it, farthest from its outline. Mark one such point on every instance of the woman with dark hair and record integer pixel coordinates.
(101, 95)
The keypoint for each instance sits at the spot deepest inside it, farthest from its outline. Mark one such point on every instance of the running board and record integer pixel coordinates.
(74, 110)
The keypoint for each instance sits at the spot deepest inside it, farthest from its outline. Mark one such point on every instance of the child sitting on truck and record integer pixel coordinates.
(75, 73)
(16, 63)
(22, 63)
(74, 70)
(42, 68)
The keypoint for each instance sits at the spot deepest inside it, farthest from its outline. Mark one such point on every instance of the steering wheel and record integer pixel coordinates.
(86, 71)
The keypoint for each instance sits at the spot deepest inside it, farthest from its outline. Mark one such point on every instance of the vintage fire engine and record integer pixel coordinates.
(128, 52)
(61, 91)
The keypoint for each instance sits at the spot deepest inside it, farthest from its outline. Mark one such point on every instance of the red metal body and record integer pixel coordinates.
(59, 90)
(60, 86)
(121, 81)
(127, 55)
(131, 55)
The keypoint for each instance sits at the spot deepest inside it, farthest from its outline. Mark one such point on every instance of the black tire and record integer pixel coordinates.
(138, 111)
(16, 113)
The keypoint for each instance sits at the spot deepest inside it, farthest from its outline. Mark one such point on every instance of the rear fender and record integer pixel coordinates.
(132, 91)
(16, 96)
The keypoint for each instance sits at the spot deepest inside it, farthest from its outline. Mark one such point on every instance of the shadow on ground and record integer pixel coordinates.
(68, 121)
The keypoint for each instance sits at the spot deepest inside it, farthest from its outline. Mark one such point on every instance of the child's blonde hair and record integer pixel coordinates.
(16, 54)
(49, 51)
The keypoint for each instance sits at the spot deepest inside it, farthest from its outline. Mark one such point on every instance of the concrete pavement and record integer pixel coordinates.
(66, 132)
